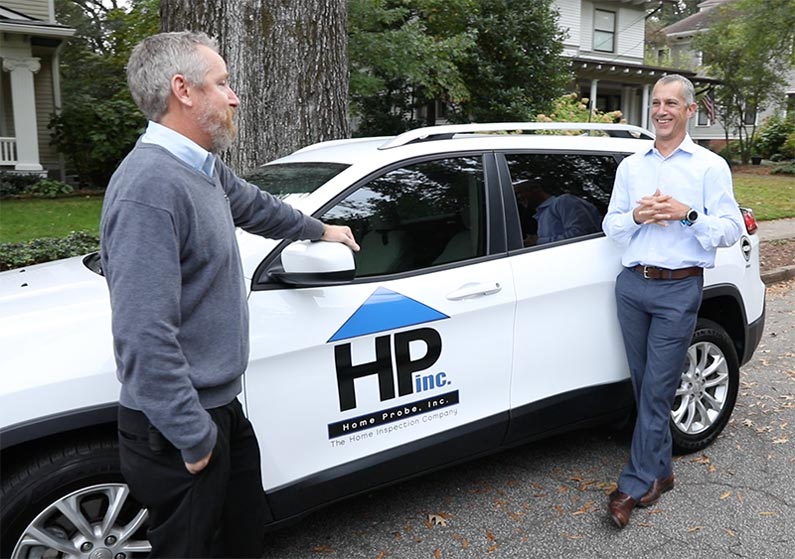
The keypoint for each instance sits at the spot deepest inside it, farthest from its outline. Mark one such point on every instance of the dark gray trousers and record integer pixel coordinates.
(657, 319)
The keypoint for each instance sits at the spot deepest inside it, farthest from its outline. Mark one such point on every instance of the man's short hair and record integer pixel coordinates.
(157, 59)
(688, 91)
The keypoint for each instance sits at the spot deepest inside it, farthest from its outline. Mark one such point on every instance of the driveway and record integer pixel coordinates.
(548, 499)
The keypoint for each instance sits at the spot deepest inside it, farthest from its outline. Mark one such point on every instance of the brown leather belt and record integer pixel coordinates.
(655, 273)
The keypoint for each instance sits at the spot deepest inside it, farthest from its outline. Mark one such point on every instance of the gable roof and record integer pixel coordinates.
(695, 22)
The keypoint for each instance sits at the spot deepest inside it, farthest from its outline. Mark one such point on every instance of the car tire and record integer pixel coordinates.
(706, 396)
(46, 499)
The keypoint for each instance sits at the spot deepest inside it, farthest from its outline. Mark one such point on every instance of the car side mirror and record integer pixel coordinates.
(316, 263)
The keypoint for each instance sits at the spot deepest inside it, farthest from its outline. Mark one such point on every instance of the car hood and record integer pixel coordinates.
(54, 333)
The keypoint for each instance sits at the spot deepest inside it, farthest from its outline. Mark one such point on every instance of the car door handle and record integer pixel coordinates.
(477, 289)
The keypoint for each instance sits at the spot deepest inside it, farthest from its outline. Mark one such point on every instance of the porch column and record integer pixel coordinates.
(23, 99)
(593, 95)
(644, 108)
(627, 108)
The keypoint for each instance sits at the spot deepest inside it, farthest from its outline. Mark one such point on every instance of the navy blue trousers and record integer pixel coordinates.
(657, 319)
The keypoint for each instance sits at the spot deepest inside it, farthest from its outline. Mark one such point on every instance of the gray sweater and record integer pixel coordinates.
(178, 297)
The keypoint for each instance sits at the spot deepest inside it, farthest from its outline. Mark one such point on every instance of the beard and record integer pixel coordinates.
(220, 126)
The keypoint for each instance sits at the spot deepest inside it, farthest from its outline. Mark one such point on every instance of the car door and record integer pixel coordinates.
(405, 368)
(569, 363)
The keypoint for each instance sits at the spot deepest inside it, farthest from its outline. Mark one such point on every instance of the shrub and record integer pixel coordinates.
(13, 183)
(49, 188)
(785, 169)
(729, 153)
(36, 251)
(772, 135)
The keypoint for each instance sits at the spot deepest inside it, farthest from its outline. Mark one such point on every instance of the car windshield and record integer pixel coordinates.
(285, 179)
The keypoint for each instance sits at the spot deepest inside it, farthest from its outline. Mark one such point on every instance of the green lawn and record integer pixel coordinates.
(770, 196)
(33, 218)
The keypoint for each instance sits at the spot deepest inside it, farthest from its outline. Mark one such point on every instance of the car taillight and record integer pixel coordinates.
(750, 220)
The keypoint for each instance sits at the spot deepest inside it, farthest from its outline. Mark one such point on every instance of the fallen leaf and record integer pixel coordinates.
(712, 469)
(322, 549)
(732, 533)
(490, 535)
(585, 509)
(462, 539)
(781, 440)
(381, 555)
(703, 459)
(515, 516)
(725, 495)
(695, 529)
(437, 520)
(492, 549)
(571, 536)
(437, 553)
(768, 513)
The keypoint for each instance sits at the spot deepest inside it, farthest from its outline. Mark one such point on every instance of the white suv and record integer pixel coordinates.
(456, 331)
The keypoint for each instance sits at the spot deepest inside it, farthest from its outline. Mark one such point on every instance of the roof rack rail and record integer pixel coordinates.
(447, 132)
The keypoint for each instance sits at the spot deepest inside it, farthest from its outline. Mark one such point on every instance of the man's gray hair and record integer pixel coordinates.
(157, 59)
(688, 91)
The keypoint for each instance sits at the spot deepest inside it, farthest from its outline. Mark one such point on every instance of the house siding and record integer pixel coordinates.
(40, 9)
(45, 108)
(570, 22)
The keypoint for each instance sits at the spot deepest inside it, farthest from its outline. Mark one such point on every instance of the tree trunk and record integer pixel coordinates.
(287, 62)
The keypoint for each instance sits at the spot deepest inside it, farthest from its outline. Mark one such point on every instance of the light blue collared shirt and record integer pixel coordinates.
(182, 147)
(691, 174)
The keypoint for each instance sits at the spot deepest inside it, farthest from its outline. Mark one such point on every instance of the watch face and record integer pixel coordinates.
(692, 215)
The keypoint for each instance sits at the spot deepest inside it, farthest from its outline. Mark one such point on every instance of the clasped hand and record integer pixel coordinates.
(659, 209)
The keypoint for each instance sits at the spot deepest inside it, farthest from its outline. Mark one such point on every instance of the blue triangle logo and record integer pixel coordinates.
(386, 310)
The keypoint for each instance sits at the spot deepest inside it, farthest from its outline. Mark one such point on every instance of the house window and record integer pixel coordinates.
(790, 105)
(750, 116)
(604, 33)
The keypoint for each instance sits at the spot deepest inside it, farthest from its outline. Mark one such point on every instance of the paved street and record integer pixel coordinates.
(547, 500)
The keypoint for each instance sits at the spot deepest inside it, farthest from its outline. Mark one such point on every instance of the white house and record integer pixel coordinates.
(30, 43)
(682, 53)
(606, 43)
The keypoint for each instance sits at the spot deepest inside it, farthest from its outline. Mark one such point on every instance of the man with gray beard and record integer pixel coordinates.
(178, 300)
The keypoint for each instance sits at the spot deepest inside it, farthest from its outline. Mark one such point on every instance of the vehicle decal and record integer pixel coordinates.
(402, 364)
(405, 415)
(386, 310)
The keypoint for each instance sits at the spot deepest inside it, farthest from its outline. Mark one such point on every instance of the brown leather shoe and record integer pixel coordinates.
(620, 507)
(657, 488)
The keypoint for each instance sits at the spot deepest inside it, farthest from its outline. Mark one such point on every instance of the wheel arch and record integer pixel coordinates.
(723, 305)
(17, 441)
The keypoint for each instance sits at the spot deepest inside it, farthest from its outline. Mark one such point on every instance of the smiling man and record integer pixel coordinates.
(671, 208)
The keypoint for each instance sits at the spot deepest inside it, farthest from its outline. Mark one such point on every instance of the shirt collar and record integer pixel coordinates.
(687, 145)
(181, 146)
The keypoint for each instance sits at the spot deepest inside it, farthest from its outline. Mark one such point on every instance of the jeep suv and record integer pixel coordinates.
(457, 330)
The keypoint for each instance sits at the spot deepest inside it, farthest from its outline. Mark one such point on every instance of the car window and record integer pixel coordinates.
(284, 179)
(416, 216)
(561, 196)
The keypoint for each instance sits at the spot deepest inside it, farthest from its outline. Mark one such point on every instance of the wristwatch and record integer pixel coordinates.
(690, 217)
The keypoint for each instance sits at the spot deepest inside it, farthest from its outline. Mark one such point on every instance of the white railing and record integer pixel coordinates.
(8, 151)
